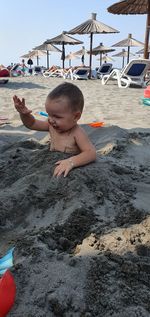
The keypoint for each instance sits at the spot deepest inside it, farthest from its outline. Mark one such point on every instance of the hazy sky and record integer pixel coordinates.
(25, 24)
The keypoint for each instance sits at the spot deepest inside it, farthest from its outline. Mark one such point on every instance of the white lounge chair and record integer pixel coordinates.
(80, 73)
(37, 70)
(55, 73)
(105, 69)
(133, 73)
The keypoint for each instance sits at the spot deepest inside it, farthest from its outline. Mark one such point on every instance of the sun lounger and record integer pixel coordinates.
(132, 74)
(105, 69)
(3, 81)
(62, 73)
(37, 70)
(80, 73)
(4, 72)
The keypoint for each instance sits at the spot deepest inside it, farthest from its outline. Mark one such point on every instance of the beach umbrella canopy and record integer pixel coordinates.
(48, 48)
(142, 51)
(106, 59)
(81, 52)
(63, 39)
(92, 26)
(123, 54)
(101, 49)
(70, 57)
(128, 42)
(134, 7)
(34, 54)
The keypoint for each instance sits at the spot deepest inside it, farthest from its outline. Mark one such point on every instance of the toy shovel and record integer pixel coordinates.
(7, 293)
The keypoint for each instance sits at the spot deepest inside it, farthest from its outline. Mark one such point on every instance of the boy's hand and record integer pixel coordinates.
(64, 166)
(20, 105)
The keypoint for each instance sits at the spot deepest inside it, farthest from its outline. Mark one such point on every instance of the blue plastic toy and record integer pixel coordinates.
(145, 101)
(42, 113)
(6, 262)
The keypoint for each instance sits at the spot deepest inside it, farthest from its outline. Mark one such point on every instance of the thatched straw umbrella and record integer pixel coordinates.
(101, 49)
(63, 39)
(82, 52)
(142, 51)
(34, 54)
(128, 42)
(70, 57)
(134, 7)
(92, 26)
(122, 54)
(106, 59)
(48, 48)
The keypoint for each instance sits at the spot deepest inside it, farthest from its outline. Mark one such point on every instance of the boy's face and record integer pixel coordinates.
(60, 116)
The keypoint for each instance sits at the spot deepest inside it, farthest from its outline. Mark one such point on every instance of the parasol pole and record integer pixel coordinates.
(47, 59)
(37, 60)
(123, 62)
(100, 58)
(123, 57)
(146, 53)
(128, 54)
(91, 44)
(70, 62)
(63, 60)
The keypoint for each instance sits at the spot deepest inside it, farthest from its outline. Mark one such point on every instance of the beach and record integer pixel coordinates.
(82, 243)
(121, 107)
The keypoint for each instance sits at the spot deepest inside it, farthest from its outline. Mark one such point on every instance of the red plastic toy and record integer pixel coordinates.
(7, 293)
(147, 92)
(96, 124)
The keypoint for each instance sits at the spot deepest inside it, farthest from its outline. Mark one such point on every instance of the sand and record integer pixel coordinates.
(82, 243)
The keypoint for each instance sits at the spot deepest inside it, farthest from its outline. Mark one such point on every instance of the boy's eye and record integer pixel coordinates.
(57, 117)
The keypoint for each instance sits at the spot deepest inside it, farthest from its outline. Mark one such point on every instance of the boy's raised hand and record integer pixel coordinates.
(20, 105)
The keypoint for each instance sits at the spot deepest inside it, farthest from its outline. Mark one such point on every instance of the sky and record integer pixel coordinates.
(26, 24)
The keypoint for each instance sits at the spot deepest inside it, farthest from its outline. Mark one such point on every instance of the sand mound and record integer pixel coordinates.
(82, 242)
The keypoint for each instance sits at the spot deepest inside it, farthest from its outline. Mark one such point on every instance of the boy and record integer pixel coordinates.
(64, 106)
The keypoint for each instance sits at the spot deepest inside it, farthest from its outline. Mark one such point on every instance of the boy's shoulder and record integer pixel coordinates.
(78, 130)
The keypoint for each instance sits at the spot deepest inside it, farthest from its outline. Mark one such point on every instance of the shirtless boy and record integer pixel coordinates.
(64, 106)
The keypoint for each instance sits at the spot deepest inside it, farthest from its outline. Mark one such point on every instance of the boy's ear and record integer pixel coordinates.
(77, 115)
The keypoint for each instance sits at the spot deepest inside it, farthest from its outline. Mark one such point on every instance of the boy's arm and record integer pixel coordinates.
(88, 151)
(25, 114)
(31, 123)
(87, 155)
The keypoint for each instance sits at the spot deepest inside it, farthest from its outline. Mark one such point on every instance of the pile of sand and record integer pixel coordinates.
(82, 246)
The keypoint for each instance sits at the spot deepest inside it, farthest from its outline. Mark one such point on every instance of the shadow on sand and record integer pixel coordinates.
(19, 85)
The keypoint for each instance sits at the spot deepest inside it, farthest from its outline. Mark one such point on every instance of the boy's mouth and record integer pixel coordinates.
(55, 126)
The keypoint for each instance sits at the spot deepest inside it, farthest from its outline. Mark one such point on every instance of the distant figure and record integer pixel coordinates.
(83, 55)
(23, 67)
(30, 63)
(64, 106)
(82, 60)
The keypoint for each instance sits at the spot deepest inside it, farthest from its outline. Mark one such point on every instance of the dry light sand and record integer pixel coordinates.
(82, 243)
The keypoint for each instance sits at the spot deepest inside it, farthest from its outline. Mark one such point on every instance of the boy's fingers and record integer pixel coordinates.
(57, 171)
(66, 173)
(58, 162)
(23, 102)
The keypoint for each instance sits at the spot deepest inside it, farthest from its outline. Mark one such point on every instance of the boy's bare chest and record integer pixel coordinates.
(63, 142)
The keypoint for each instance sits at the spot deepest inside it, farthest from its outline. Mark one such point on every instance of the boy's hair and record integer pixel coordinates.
(72, 92)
